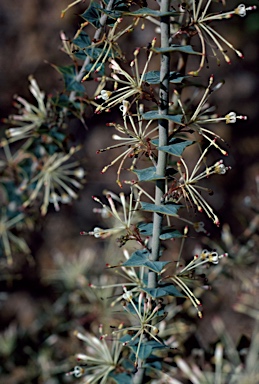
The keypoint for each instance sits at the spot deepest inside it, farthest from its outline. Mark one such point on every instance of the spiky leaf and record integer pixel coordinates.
(154, 115)
(147, 348)
(141, 259)
(176, 48)
(176, 146)
(153, 77)
(82, 41)
(69, 75)
(163, 291)
(93, 14)
(142, 12)
(148, 174)
(145, 229)
(168, 209)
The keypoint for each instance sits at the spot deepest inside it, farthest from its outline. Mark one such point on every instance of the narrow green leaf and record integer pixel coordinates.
(150, 12)
(145, 229)
(114, 14)
(147, 348)
(154, 115)
(168, 209)
(120, 378)
(152, 77)
(69, 75)
(147, 174)
(176, 147)
(156, 266)
(163, 291)
(176, 77)
(93, 14)
(137, 258)
(176, 48)
(169, 233)
(82, 41)
(141, 259)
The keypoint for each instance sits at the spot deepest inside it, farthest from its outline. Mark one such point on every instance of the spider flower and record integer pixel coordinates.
(123, 221)
(135, 135)
(8, 240)
(107, 47)
(56, 180)
(132, 86)
(184, 275)
(200, 21)
(30, 117)
(100, 359)
(187, 188)
(146, 313)
(203, 116)
(132, 280)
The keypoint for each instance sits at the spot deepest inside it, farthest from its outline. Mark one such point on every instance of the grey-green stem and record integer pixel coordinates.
(96, 37)
(163, 136)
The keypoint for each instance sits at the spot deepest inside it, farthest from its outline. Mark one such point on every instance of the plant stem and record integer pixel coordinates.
(163, 136)
(96, 37)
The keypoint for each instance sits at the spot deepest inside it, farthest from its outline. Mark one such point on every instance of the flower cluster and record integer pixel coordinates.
(9, 241)
(186, 187)
(147, 312)
(137, 135)
(100, 359)
(30, 118)
(132, 86)
(200, 23)
(133, 281)
(123, 221)
(203, 115)
(57, 178)
(184, 275)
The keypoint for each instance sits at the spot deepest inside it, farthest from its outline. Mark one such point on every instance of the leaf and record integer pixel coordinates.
(69, 76)
(141, 259)
(82, 41)
(93, 14)
(169, 233)
(168, 209)
(146, 348)
(150, 12)
(176, 77)
(120, 378)
(176, 48)
(86, 47)
(176, 147)
(145, 229)
(114, 14)
(147, 174)
(154, 115)
(163, 291)
(152, 77)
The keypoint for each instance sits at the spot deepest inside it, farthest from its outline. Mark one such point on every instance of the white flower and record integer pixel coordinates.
(100, 359)
(57, 178)
(200, 20)
(132, 86)
(232, 117)
(241, 9)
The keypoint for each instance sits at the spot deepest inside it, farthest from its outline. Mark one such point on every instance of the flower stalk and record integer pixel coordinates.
(163, 136)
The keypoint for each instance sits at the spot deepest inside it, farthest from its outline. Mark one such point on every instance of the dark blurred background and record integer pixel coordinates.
(38, 312)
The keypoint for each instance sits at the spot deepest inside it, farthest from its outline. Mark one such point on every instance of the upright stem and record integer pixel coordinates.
(163, 136)
(96, 37)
